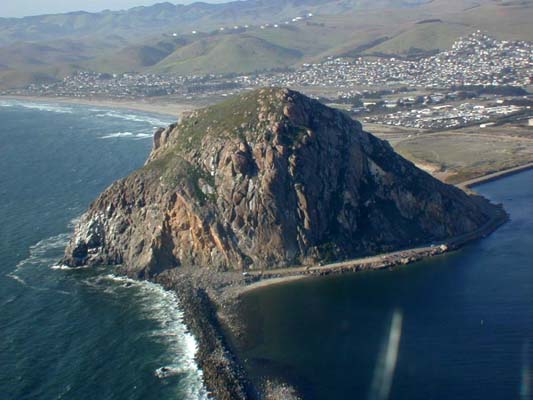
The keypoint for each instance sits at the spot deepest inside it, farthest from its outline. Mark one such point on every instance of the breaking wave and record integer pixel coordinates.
(156, 122)
(43, 253)
(38, 106)
(61, 267)
(162, 306)
(130, 135)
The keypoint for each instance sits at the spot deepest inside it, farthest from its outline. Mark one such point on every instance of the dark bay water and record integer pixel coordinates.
(77, 334)
(458, 326)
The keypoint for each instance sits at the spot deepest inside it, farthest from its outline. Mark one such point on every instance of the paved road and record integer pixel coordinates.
(389, 259)
(384, 258)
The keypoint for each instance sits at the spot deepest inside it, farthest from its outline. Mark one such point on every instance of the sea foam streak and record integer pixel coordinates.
(44, 252)
(117, 135)
(156, 122)
(130, 135)
(39, 106)
(163, 307)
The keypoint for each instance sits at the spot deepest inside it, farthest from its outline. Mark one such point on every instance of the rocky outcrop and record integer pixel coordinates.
(265, 180)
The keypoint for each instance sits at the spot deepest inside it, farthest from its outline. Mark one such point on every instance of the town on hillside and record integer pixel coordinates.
(479, 80)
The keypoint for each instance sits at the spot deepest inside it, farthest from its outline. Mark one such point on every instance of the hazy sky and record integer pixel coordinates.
(20, 8)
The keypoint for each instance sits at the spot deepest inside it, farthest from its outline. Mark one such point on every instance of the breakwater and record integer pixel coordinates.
(259, 279)
(222, 371)
(494, 176)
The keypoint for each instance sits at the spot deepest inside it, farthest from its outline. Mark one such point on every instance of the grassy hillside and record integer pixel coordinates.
(509, 20)
(426, 36)
(12, 78)
(164, 17)
(25, 62)
(137, 57)
(226, 54)
(22, 63)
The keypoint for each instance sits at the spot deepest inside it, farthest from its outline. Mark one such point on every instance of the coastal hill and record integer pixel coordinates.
(165, 16)
(244, 36)
(265, 180)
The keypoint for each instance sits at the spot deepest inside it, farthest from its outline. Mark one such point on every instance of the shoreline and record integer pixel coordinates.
(211, 303)
(393, 259)
(493, 176)
(210, 300)
(223, 373)
(228, 303)
(170, 109)
(165, 108)
(372, 263)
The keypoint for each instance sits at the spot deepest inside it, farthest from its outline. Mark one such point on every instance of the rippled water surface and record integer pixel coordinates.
(78, 334)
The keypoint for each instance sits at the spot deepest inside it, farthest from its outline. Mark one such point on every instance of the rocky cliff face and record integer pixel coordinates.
(268, 179)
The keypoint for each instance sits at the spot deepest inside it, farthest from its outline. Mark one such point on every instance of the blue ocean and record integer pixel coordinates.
(82, 334)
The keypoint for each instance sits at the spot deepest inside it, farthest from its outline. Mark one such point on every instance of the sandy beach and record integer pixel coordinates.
(151, 106)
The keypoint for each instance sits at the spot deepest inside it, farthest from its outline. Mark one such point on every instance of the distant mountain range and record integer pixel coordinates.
(163, 17)
(243, 36)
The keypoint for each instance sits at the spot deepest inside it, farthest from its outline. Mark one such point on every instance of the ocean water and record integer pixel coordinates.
(81, 334)
(458, 326)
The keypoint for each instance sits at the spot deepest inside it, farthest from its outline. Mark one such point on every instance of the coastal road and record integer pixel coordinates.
(399, 257)
(373, 262)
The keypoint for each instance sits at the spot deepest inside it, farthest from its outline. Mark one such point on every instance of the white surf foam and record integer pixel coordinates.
(163, 307)
(42, 253)
(7, 103)
(13, 275)
(156, 122)
(61, 267)
(129, 135)
(55, 108)
(74, 222)
(167, 372)
(117, 135)
(156, 304)
(144, 136)
(9, 300)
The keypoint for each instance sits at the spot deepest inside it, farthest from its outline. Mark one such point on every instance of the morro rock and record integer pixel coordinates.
(267, 179)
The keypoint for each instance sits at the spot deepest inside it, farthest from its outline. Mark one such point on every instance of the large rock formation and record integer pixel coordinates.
(265, 180)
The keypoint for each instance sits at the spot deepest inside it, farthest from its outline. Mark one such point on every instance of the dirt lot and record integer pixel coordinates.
(462, 154)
